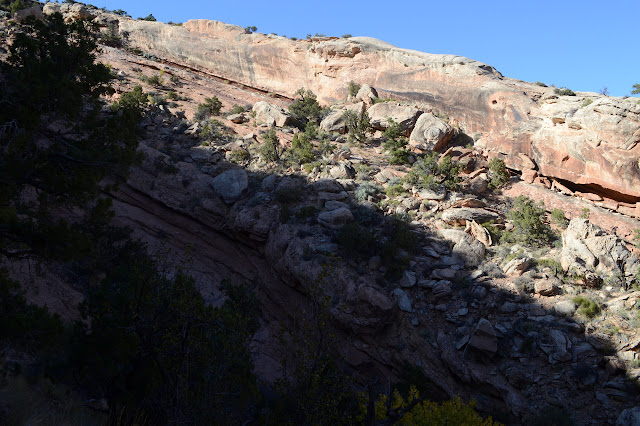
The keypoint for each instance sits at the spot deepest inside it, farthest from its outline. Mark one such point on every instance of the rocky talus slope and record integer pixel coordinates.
(505, 324)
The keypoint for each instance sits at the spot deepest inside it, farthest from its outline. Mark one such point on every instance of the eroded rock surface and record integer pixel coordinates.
(565, 139)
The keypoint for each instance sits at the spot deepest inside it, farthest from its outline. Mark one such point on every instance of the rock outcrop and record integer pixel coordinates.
(587, 248)
(595, 146)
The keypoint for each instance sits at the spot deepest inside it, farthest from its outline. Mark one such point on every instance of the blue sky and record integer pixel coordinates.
(584, 45)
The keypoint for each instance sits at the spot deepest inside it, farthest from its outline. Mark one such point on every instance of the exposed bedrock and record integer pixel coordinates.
(567, 138)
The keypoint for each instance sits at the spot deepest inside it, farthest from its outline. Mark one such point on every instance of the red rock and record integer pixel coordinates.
(514, 117)
(560, 187)
(529, 176)
(543, 181)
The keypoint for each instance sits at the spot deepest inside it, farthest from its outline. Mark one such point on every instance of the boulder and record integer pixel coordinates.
(50, 8)
(629, 417)
(484, 338)
(335, 219)
(270, 114)
(327, 185)
(517, 266)
(441, 289)
(344, 170)
(404, 115)
(77, 11)
(430, 133)
(231, 184)
(334, 121)
(237, 118)
(367, 94)
(545, 288)
(585, 245)
(565, 307)
(479, 232)
(334, 205)
(470, 250)
(562, 346)
(479, 184)
(460, 216)
(427, 194)
(34, 11)
(403, 300)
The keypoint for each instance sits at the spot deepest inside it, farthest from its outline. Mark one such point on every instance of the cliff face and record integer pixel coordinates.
(592, 144)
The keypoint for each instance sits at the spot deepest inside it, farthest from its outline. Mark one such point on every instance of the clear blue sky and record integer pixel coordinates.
(584, 45)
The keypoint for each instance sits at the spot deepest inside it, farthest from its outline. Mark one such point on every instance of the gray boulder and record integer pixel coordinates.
(588, 247)
(335, 219)
(231, 184)
(629, 417)
(270, 114)
(430, 133)
(334, 121)
(403, 300)
(404, 115)
(344, 170)
(466, 247)
(34, 11)
(367, 94)
(484, 338)
(565, 307)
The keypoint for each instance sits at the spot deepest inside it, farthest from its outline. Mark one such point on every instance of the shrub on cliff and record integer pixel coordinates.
(430, 174)
(301, 151)
(498, 173)
(52, 78)
(359, 126)
(414, 410)
(395, 144)
(306, 109)
(210, 106)
(353, 88)
(528, 223)
(270, 150)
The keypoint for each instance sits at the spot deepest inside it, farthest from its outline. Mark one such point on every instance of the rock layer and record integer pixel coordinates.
(594, 145)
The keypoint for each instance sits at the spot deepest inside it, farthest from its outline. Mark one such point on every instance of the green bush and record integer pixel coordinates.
(149, 17)
(359, 126)
(305, 108)
(240, 156)
(395, 144)
(587, 102)
(27, 325)
(557, 217)
(587, 307)
(213, 130)
(528, 222)
(498, 173)
(237, 109)
(353, 88)
(393, 191)
(211, 106)
(427, 173)
(366, 190)
(270, 150)
(563, 91)
(164, 352)
(301, 149)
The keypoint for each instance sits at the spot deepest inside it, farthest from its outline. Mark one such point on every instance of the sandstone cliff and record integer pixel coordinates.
(595, 145)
